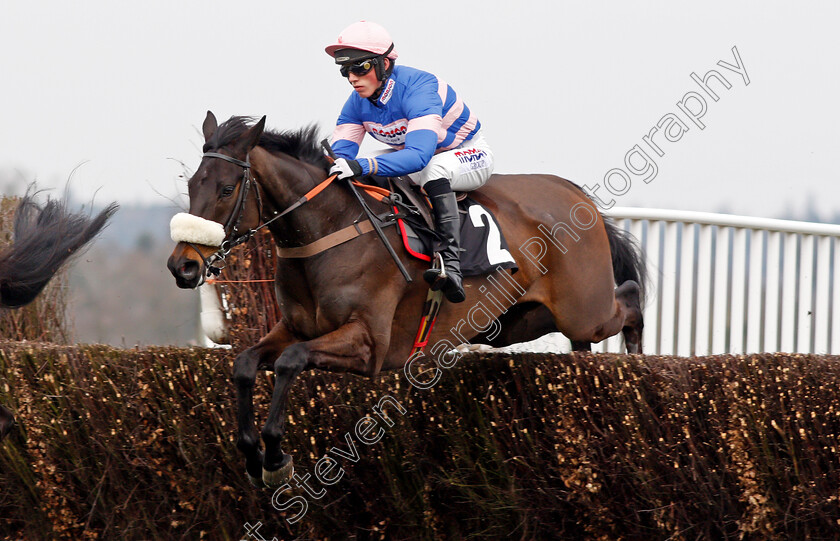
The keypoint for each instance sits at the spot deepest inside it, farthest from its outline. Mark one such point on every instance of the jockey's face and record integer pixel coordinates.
(365, 85)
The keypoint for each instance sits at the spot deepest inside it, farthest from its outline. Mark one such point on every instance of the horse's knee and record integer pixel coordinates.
(629, 293)
(629, 286)
(292, 361)
(245, 368)
(634, 321)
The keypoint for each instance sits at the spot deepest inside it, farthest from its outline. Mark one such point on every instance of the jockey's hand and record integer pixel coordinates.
(346, 168)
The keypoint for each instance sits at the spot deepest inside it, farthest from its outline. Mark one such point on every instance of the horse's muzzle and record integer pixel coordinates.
(185, 267)
(187, 273)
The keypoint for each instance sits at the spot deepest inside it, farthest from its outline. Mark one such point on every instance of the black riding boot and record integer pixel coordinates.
(448, 225)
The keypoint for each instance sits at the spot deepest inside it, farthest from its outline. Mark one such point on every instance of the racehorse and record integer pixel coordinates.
(348, 308)
(45, 238)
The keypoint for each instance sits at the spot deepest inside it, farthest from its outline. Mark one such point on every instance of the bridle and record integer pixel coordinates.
(233, 239)
(234, 220)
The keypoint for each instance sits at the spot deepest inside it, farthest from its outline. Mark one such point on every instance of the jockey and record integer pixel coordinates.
(435, 138)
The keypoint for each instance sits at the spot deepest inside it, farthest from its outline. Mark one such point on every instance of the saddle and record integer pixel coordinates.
(483, 246)
(416, 201)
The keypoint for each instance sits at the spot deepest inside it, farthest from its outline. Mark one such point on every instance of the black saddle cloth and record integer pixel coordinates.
(483, 245)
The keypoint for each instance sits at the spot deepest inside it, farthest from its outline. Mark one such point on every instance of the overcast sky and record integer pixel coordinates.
(118, 90)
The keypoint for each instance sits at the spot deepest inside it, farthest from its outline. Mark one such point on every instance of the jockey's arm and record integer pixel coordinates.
(346, 139)
(422, 109)
(419, 148)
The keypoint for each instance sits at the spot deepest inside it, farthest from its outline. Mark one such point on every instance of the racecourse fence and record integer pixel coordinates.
(732, 284)
(140, 444)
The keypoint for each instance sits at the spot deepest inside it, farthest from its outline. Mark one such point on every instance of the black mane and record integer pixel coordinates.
(302, 144)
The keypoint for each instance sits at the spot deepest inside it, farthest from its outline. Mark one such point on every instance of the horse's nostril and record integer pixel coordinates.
(189, 270)
(185, 271)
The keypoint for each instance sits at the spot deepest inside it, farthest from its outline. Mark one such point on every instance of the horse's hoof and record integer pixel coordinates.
(254, 464)
(281, 475)
(256, 482)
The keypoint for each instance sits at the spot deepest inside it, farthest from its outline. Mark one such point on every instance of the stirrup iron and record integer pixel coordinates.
(436, 275)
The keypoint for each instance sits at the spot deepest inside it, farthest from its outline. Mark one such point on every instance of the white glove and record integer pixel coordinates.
(346, 168)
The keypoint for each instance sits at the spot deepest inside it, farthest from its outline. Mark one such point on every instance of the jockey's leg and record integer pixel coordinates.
(448, 226)
(464, 168)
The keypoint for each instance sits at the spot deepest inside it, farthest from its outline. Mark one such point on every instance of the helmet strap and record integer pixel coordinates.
(382, 74)
(379, 65)
(374, 98)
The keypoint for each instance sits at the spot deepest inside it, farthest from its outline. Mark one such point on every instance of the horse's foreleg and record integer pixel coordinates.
(7, 422)
(245, 367)
(349, 348)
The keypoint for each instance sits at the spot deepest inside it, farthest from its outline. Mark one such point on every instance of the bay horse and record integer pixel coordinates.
(349, 308)
(44, 239)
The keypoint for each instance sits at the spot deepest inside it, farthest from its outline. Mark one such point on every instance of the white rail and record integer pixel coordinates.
(732, 284)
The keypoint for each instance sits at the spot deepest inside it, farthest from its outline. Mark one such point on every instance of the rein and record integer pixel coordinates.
(434, 299)
(238, 210)
(334, 239)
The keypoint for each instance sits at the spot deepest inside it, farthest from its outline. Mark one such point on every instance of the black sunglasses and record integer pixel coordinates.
(359, 68)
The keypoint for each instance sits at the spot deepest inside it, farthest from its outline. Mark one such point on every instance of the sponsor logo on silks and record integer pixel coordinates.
(392, 135)
(386, 94)
(475, 166)
(470, 155)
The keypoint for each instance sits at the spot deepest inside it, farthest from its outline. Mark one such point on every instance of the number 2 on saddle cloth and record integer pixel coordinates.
(483, 250)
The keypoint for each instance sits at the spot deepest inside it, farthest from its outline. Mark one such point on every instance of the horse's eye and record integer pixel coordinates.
(227, 191)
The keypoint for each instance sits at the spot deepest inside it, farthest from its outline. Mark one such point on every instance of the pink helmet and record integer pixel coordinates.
(364, 36)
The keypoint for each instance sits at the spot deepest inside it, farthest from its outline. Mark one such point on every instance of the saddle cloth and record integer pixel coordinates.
(483, 245)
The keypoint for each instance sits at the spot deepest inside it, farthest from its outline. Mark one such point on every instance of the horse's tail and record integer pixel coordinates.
(44, 239)
(627, 258)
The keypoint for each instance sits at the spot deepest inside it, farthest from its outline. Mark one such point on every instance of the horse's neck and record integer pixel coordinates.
(283, 181)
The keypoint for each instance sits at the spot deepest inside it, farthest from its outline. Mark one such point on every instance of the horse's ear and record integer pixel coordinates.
(209, 126)
(254, 134)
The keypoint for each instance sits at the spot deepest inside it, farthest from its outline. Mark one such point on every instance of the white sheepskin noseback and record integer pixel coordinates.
(188, 228)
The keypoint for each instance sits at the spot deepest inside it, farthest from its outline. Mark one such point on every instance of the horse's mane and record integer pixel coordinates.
(301, 144)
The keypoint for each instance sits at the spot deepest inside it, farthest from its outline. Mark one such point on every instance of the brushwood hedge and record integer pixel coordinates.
(140, 444)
